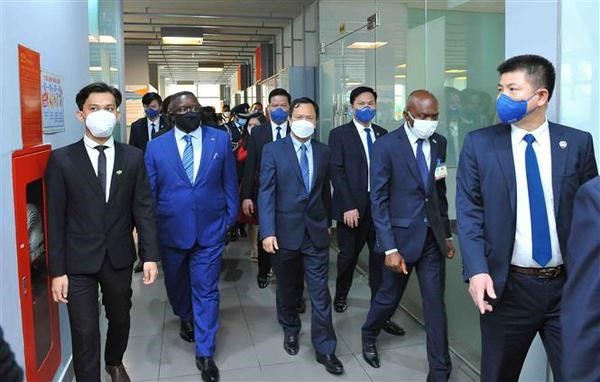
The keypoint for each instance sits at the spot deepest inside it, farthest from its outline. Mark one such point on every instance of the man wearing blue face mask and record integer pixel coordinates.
(516, 184)
(153, 124)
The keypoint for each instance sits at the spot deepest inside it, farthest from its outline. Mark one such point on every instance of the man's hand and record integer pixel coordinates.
(479, 285)
(351, 218)
(270, 244)
(150, 272)
(248, 207)
(60, 288)
(395, 262)
(451, 248)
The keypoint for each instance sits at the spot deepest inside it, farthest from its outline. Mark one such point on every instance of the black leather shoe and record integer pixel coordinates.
(263, 281)
(210, 372)
(331, 362)
(291, 345)
(393, 328)
(301, 306)
(340, 305)
(186, 331)
(139, 266)
(370, 354)
(117, 373)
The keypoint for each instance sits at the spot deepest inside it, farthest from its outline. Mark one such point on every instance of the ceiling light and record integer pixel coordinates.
(182, 36)
(400, 76)
(461, 78)
(95, 68)
(367, 45)
(210, 67)
(455, 71)
(401, 66)
(352, 83)
(105, 39)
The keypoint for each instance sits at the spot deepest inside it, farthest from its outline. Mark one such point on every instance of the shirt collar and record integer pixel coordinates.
(180, 134)
(412, 138)
(517, 133)
(360, 127)
(297, 143)
(283, 125)
(89, 142)
(156, 123)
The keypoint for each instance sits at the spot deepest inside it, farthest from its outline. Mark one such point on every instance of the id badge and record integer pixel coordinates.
(441, 171)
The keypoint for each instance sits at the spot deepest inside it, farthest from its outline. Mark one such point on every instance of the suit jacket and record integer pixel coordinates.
(283, 210)
(349, 169)
(259, 137)
(579, 305)
(82, 227)
(138, 134)
(486, 195)
(199, 213)
(401, 207)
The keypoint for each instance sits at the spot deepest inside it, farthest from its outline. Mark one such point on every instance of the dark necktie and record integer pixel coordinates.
(153, 127)
(304, 169)
(102, 167)
(422, 163)
(278, 136)
(540, 229)
(369, 141)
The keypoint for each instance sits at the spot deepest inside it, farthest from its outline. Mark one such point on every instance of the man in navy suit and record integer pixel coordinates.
(351, 145)
(194, 183)
(294, 203)
(516, 184)
(410, 213)
(580, 311)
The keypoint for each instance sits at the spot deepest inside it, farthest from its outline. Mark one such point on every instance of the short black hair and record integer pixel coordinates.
(360, 90)
(257, 103)
(305, 100)
(280, 92)
(537, 68)
(97, 87)
(151, 96)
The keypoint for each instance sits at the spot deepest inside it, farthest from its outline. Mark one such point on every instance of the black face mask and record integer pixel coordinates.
(188, 122)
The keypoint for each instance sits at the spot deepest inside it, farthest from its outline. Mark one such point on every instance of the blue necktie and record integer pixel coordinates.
(422, 163)
(278, 133)
(188, 157)
(540, 230)
(369, 141)
(304, 169)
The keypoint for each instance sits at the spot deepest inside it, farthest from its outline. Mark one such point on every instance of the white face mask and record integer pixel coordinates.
(101, 123)
(302, 128)
(423, 128)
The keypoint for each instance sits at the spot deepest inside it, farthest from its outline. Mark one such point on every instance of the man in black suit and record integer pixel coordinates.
(410, 213)
(147, 128)
(294, 216)
(351, 145)
(278, 110)
(97, 191)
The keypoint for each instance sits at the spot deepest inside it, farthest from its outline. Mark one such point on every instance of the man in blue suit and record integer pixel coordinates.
(516, 184)
(194, 183)
(293, 210)
(410, 213)
(580, 310)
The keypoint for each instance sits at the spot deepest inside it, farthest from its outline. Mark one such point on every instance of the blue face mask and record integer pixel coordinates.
(511, 111)
(241, 121)
(152, 113)
(279, 115)
(365, 115)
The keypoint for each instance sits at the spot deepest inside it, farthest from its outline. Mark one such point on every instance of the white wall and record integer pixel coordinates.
(58, 31)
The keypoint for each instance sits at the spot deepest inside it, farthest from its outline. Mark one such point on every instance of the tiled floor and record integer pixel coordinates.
(249, 343)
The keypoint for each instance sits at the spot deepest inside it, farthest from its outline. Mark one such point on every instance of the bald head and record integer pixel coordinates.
(421, 104)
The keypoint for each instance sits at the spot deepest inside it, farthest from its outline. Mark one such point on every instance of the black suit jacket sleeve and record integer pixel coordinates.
(143, 216)
(441, 191)
(250, 168)
(338, 174)
(135, 132)
(57, 210)
(327, 191)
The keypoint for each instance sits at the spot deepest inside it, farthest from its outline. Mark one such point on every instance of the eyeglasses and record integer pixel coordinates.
(186, 109)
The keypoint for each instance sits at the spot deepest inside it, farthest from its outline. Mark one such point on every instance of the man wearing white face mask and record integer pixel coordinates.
(294, 216)
(410, 213)
(97, 191)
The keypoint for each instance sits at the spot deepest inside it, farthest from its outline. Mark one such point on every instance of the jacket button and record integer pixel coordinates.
(426, 200)
(425, 220)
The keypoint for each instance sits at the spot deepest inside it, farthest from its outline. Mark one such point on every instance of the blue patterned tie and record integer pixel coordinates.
(304, 169)
(369, 141)
(422, 163)
(188, 157)
(278, 132)
(540, 230)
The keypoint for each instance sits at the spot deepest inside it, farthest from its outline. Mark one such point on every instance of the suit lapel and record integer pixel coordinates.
(172, 152)
(356, 141)
(208, 153)
(119, 167)
(290, 152)
(82, 162)
(145, 136)
(559, 158)
(409, 157)
(433, 162)
(504, 153)
(317, 160)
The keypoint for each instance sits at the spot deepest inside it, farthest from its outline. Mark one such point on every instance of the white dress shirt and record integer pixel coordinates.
(196, 144)
(93, 154)
(156, 127)
(522, 255)
(283, 130)
(309, 154)
(363, 138)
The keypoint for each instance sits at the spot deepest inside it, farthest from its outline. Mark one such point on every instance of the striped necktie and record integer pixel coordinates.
(188, 157)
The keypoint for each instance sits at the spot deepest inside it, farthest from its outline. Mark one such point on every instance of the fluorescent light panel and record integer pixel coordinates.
(210, 67)
(367, 45)
(455, 71)
(182, 36)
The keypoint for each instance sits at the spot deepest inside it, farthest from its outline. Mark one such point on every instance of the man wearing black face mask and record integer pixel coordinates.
(194, 184)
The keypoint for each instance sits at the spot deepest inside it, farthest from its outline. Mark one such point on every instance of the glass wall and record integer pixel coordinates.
(451, 48)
